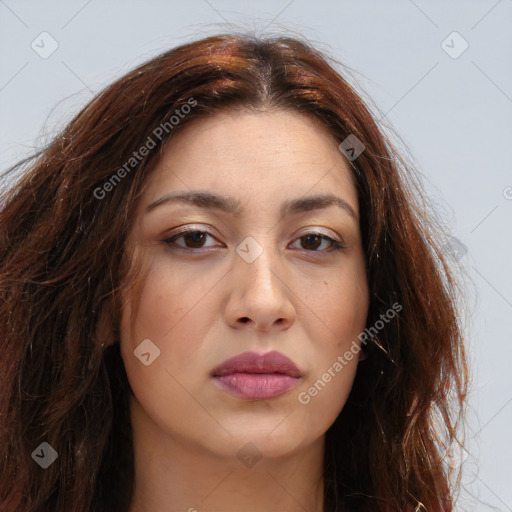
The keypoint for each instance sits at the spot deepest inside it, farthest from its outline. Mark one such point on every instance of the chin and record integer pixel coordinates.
(261, 441)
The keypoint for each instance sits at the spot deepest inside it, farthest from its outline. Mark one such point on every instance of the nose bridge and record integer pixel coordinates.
(259, 273)
(260, 294)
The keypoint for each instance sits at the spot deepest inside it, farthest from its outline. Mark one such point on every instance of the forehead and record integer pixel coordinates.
(256, 156)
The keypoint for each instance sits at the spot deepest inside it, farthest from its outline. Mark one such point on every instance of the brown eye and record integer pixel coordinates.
(194, 239)
(311, 242)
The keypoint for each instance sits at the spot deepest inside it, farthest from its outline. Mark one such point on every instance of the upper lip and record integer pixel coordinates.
(252, 362)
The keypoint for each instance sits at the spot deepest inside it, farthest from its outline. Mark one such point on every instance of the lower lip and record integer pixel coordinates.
(257, 385)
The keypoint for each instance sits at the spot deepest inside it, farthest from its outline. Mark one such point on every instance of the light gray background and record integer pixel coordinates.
(453, 115)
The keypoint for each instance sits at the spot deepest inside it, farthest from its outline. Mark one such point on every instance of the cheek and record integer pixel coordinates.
(173, 313)
(169, 301)
(350, 312)
(334, 365)
(337, 305)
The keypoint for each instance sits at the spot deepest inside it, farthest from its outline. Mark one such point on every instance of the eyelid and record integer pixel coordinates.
(312, 230)
(185, 229)
(305, 231)
(337, 242)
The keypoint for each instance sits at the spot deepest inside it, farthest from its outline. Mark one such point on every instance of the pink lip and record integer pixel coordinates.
(257, 376)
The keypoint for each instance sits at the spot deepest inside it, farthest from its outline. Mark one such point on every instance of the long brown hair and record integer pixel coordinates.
(63, 227)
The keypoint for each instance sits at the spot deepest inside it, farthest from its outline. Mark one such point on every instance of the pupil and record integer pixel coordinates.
(309, 237)
(196, 237)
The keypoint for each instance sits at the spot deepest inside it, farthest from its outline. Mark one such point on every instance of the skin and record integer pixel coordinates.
(298, 297)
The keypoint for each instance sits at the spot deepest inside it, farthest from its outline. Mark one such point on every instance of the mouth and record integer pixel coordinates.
(257, 376)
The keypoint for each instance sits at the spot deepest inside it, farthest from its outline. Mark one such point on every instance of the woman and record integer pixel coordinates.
(218, 292)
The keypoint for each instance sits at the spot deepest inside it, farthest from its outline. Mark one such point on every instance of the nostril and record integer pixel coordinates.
(244, 319)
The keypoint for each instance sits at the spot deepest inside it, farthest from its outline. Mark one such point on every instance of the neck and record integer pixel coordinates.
(172, 476)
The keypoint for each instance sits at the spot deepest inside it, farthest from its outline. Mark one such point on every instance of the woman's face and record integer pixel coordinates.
(262, 275)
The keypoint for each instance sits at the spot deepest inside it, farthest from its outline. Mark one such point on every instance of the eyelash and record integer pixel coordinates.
(336, 245)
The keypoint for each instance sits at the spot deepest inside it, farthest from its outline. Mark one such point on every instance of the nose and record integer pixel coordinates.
(260, 295)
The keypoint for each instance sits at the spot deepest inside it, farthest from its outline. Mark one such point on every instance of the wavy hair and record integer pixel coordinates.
(63, 230)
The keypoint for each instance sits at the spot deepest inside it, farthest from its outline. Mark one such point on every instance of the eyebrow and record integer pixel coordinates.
(209, 200)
